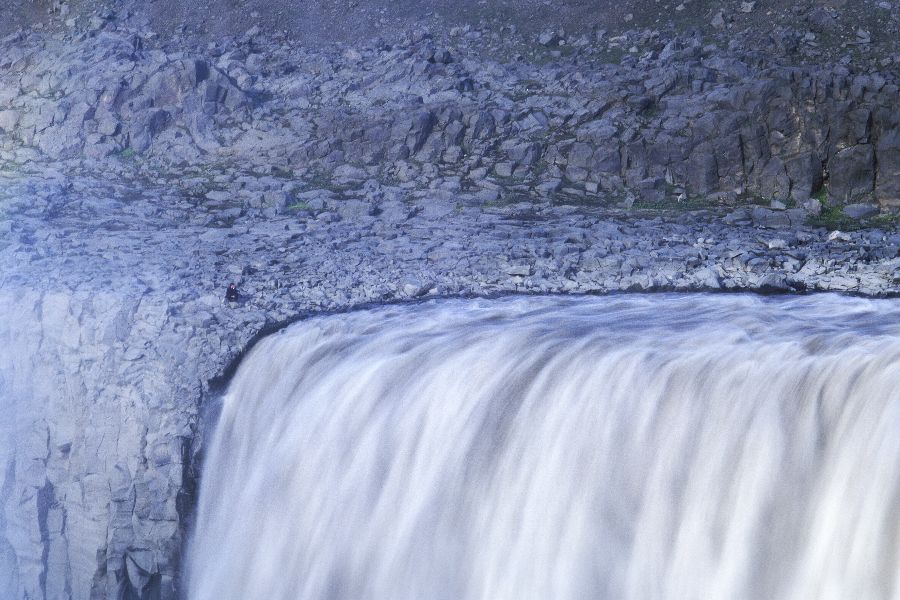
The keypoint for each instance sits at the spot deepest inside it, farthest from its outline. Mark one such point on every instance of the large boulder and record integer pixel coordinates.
(805, 174)
(887, 177)
(702, 169)
(773, 180)
(851, 174)
(420, 129)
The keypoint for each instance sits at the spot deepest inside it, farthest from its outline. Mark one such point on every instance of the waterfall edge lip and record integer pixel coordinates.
(219, 383)
(215, 387)
(437, 300)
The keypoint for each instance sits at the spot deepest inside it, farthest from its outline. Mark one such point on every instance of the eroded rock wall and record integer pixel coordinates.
(98, 400)
(672, 119)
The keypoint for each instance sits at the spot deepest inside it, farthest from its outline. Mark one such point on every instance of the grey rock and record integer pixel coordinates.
(137, 177)
(504, 169)
(414, 288)
(421, 128)
(9, 119)
(860, 211)
(805, 174)
(887, 182)
(580, 155)
(852, 174)
(484, 127)
(763, 217)
(718, 20)
(812, 206)
(521, 270)
(549, 39)
(702, 169)
(774, 181)
(773, 282)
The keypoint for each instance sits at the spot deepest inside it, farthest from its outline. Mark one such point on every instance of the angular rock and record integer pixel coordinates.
(421, 127)
(702, 169)
(860, 210)
(805, 174)
(887, 177)
(851, 174)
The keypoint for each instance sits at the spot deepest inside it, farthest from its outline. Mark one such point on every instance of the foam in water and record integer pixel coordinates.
(663, 447)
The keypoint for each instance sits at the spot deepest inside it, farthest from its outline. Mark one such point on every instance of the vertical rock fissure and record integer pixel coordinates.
(45, 498)
(186, 500)
(8, 559)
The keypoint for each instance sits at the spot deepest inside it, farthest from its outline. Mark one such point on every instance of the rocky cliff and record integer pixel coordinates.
(670, 119)
(139, 176)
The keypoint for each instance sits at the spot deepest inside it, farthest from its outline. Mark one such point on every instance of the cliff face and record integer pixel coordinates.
(97, 417)
(819, 31)
(674, 119)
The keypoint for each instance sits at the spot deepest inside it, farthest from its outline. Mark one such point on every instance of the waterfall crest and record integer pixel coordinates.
(622, 448)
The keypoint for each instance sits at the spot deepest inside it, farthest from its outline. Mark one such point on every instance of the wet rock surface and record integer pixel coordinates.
(139, 178)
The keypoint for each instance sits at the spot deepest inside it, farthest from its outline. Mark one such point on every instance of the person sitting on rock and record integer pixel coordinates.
(231, 294)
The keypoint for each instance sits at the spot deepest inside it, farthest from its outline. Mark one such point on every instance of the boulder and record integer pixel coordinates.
(773, 180)
(549, 39)
(764, 217)
(860, 210)
(485, 126)
(887, 176)
(702, 171)
(805, 174)
(527, 153)
(420, 128)
(607, 159)
(580, 155)
(851, 174)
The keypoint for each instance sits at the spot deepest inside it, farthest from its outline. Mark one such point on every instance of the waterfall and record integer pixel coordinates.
(624, 448)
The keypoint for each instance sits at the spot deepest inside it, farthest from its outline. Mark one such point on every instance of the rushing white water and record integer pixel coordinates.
(661, 447)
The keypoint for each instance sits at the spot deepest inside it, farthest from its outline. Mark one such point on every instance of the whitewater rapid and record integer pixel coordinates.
(617, 448)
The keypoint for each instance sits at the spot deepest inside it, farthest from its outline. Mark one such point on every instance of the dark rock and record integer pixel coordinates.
(606, 160)
(549, 39)
(887, 177)
(773, 283)
(526, 153)
(485, 126)
(851, 174)
(729, 163)
(861, 210)
(822, 20)
(805, 173)
(421, 127)
(764, 217)
(580, 155)
(702, 169)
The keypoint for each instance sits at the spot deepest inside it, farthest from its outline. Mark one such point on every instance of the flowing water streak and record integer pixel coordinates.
(661, 447)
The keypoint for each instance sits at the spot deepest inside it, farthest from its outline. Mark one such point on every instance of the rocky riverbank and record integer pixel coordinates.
(138, 179)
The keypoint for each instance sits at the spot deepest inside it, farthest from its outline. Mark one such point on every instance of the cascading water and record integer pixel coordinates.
(661, 447)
